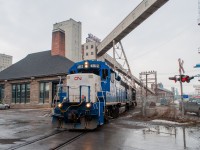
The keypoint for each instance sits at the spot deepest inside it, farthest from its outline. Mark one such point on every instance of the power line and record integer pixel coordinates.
(165, 43)
(174, 73)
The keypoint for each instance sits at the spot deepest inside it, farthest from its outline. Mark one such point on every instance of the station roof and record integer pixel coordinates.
(39, 64)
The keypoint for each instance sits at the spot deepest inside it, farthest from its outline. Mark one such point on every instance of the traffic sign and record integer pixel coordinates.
(185, 96)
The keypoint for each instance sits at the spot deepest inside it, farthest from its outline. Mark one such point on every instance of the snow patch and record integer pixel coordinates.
(168, 122)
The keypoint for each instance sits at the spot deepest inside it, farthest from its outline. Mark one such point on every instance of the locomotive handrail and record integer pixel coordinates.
(88, 91)
(80, 89)
(98, 102)
(70, 106)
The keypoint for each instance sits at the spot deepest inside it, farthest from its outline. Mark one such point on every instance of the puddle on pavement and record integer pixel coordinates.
(176, 137)
(159, 135)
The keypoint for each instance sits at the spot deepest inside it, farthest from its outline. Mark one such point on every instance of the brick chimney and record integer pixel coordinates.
(58, 43)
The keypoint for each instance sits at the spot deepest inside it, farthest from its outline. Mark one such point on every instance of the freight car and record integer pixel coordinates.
(92, 94)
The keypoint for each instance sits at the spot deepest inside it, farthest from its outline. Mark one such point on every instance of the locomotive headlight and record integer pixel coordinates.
(88, 105)
(60, 105)
(86, 64)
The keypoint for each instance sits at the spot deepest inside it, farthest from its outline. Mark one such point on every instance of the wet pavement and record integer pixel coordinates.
(31, 129)
(122, 134)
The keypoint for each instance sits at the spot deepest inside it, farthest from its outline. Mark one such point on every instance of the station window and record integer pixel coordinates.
(86, 54)
(86, 47)
(92, 53)
(1, 93)
(21, 93)
(92, 46)
(44, 92)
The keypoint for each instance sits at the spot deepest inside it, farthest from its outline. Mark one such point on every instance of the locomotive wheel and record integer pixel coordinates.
(106, 118)
(115, 112)
(135, 103)
(127, 107)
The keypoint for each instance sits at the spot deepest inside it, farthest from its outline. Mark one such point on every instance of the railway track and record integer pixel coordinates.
(69, 141)
(45, 139)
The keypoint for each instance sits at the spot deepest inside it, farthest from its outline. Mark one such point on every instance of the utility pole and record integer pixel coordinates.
(141, 96)
(152, 80)
(181, 69)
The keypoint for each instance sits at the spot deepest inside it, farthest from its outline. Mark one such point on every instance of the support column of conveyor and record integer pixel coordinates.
(135, 18)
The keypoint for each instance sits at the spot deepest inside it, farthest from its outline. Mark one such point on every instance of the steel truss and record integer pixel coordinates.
(120, 57)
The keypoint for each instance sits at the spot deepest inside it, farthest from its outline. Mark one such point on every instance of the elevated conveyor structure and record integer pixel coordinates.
(134, 19)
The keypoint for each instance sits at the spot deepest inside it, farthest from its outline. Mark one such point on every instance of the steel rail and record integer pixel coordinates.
(35, 140)
(69, 141)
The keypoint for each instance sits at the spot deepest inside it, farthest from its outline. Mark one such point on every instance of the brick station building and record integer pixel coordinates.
(32, 82)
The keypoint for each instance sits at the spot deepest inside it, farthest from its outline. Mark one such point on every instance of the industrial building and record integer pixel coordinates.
(71, 31)
(32, 82)
(164, 93)
(89, 49)
(5, 61)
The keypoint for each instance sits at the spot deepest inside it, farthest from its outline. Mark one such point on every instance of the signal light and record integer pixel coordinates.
(182, 78)
(173, 78)
(186, 78)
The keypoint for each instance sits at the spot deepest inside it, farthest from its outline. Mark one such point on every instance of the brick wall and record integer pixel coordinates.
(34, 92)
(7, 93)
(58, 42)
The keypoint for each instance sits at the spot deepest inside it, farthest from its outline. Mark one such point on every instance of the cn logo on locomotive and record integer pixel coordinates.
(77, 78)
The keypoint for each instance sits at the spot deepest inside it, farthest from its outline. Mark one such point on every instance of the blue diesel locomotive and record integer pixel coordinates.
(93, 93)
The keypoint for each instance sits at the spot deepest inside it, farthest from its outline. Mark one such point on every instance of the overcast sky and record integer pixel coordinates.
(170, 33)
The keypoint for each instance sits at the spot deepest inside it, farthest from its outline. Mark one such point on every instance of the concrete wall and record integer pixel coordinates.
(90, 51)
(72, 38)
(5, 61)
